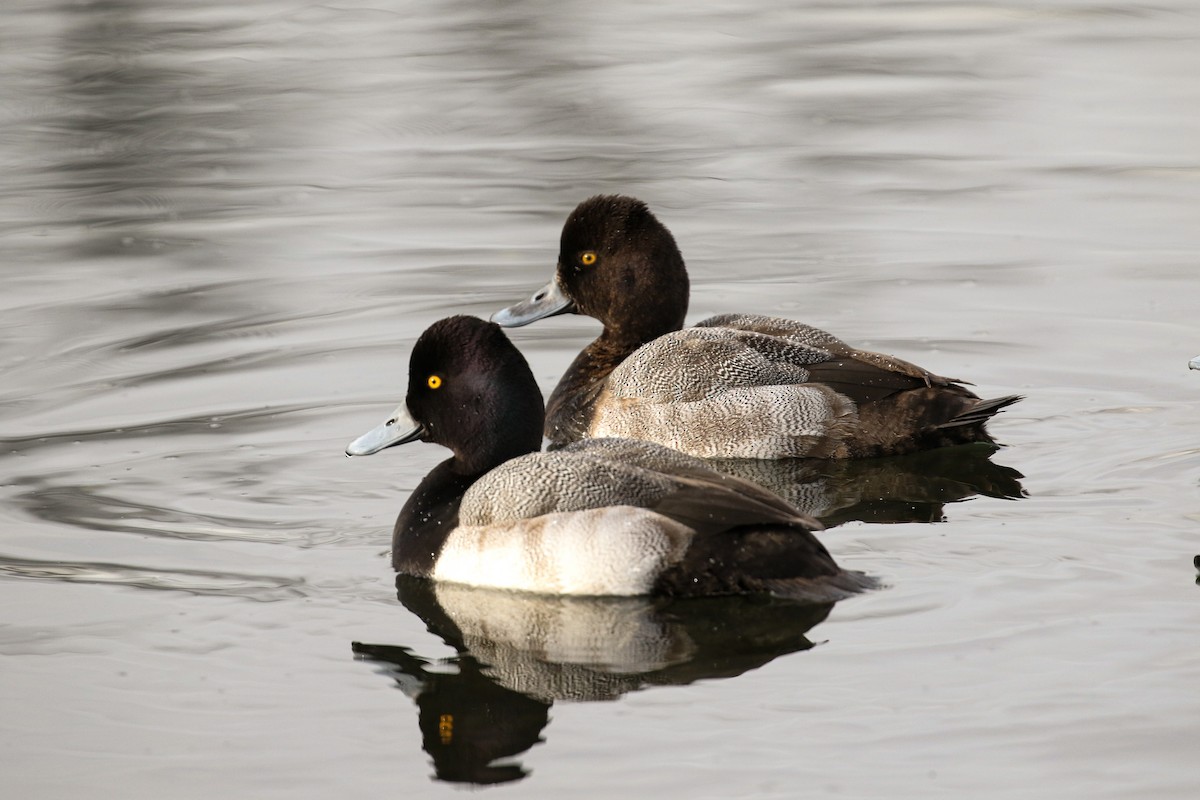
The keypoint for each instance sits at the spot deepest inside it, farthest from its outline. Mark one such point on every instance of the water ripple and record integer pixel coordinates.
(84, 507)
(260, 588)
(245, 421)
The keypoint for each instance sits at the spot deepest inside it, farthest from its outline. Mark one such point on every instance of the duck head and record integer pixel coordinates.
(470, 390)
(616, 263)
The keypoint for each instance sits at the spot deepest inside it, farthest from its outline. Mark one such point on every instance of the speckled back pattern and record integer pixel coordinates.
(790, 329)
(807, 335)
(788, 421)
(559, 481)
(690, 364)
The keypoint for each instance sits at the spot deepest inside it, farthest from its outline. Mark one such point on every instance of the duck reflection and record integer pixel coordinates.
(910, 488)
(519, 653)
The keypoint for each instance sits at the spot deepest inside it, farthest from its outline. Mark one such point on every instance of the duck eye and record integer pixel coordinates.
(434, 382)
(588, 258)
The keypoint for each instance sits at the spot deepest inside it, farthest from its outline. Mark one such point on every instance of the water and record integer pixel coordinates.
(223, 224)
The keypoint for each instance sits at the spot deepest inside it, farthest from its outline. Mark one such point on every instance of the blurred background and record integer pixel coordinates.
(223, 224)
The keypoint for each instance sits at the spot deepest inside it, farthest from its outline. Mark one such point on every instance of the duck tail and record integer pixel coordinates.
(981, 412)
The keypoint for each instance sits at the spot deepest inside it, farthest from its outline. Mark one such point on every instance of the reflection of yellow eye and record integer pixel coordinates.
(588, 258)
(435, 382)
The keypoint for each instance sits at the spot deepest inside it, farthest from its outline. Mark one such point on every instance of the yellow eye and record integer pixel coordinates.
(588, 258)
(435, 382)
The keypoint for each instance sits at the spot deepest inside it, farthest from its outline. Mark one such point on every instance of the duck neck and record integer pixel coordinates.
(431, 512)
(570, 405)
(428, 517)
(500, 421)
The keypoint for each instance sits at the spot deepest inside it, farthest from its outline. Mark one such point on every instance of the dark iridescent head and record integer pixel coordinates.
(469, 389)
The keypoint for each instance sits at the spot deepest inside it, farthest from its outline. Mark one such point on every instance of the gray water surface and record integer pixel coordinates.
(223, 224)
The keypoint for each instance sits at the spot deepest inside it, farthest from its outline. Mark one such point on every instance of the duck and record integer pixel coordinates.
(600, 517)
(733, 386)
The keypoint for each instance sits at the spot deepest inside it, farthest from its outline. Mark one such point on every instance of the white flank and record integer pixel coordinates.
(618, 550)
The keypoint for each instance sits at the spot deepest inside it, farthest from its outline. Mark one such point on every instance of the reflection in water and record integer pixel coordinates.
(518, 654)
(911, 488)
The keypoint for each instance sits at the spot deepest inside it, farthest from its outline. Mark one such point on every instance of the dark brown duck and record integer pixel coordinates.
(732, 386)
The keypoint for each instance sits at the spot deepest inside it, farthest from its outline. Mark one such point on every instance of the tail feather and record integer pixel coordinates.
(981, 412)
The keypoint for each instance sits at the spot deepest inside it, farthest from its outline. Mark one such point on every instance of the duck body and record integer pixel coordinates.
(597, 517)
(617, 517)
(732, 386)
